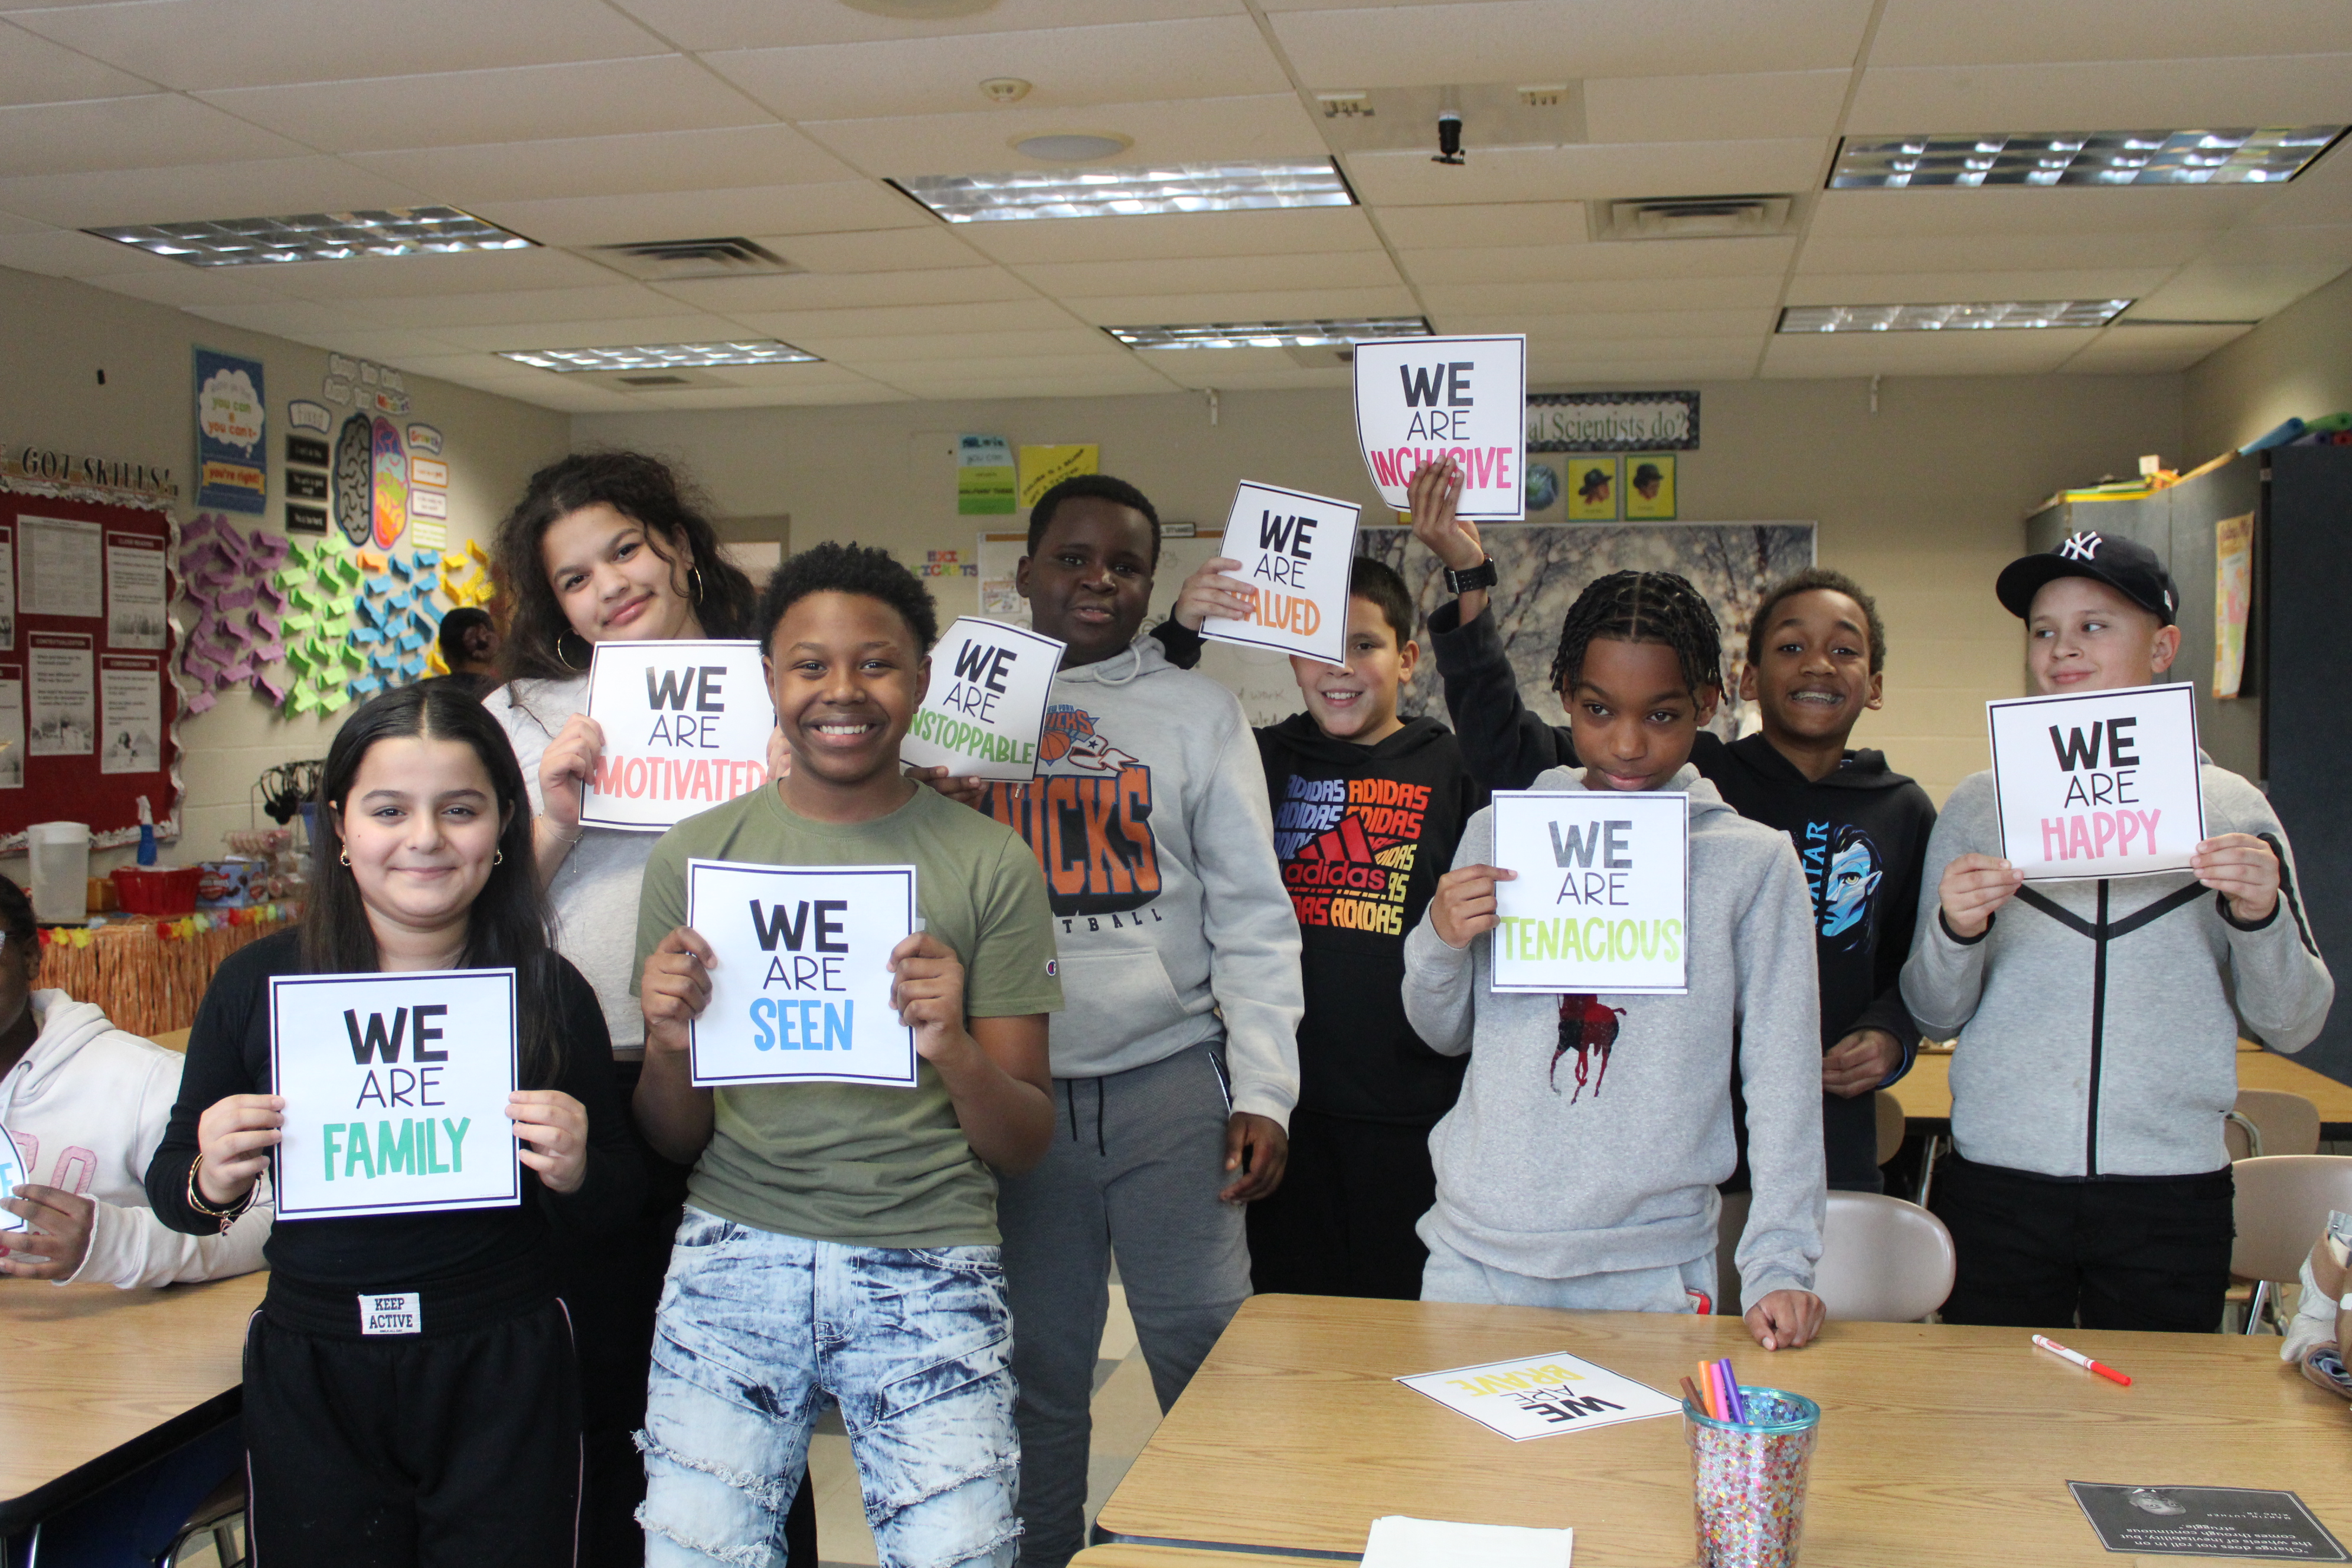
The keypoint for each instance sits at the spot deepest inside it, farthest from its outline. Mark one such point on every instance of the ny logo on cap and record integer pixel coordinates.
(2081, 546)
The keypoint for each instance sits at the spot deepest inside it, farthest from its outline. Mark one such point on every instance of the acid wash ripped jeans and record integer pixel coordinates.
(756, 1328)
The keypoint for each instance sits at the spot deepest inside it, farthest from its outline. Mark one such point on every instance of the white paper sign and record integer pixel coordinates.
(13, 1175)
(1601, 902)
(686, 728)
(802, 990)
(1401, 1541)
(987, 702)
(1542, 1396)
(1294, 548)
(395, 1089)
(1421, 399)
(2101, 785)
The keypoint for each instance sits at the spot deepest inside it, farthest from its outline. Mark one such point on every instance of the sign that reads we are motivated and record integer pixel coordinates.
(800, 993)
(686, 728)
(1601, 902)
(987, 702)
(2101, 785)
(395, 1090)
(1423, 400)
(1294, 549)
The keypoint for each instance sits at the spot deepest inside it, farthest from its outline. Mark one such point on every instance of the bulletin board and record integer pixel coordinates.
(87, 702)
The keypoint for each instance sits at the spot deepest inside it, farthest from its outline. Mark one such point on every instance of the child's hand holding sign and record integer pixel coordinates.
(553, 1127)
(234, 1139)
(1464, 909)
(2242, 869)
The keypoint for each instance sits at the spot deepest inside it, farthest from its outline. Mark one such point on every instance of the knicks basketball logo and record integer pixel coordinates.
(1088, 818)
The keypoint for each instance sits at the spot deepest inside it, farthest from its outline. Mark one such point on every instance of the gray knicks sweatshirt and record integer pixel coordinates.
(1540, 1174)
(2098, 1019)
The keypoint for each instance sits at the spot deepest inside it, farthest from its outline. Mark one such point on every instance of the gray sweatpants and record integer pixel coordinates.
(1136, 1164)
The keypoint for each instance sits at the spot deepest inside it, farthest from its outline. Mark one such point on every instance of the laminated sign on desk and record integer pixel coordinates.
(1602, 902)
(986, 706)
(2101, 785)
(686, 728)
(1542, 1396)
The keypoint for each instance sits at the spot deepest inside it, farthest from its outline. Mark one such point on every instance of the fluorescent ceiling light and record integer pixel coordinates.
(317, 236)
(660, 356)
(1950, 317)
(1130, 192)
(1270, 334)
(2219, 157)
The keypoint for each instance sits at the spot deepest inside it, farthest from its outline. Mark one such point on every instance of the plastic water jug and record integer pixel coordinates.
(60, 856)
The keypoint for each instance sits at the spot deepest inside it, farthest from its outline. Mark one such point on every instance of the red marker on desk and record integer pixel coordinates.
(2079, 1359)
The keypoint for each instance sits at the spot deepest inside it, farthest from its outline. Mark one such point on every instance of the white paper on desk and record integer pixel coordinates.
(1542, 1396)
(1399, 1541)
(12, 1174)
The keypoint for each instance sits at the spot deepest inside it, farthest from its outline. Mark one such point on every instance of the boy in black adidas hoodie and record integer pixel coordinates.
(1367, 810)
(1816, 651)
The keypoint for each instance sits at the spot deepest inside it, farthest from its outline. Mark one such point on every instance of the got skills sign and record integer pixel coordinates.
(1294, 548)
(2103, 785)
(1601, 902)
(395, 1089)
(686, 728)
(800, 993)
(981, 716)
(1422, 400)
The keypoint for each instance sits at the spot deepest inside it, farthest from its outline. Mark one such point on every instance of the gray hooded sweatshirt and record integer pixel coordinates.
(1148, 814)
(2098, 1019)
(1542, 1175)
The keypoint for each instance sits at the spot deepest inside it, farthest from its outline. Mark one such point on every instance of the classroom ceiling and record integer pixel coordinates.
(582, 123)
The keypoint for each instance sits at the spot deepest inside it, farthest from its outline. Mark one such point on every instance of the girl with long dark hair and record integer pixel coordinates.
(459, 1441)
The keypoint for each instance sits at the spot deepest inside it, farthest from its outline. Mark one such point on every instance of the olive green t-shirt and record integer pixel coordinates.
(859, 1163)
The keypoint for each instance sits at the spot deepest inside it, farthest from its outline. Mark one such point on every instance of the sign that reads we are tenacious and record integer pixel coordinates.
(1612, 422)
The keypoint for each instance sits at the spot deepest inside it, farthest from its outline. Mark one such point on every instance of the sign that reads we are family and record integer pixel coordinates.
(395, 1090)
(686, 728)
(2100, 785)
(800, 993)
(1602, 902)
(1423, 400)
(987, 702)
(1294, 549)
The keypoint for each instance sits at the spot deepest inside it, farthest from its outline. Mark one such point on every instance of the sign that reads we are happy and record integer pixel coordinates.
(1601, 902)
(395, 1090)
(2100, 785)
(1422, 400)
(987, 702)
(800, 993)
(1294, 549)
(686, 728)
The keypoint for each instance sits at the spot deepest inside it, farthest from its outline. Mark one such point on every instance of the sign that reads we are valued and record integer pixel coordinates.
(2100, 785)
(1601, 902)
(800, 993)
(395, 1090)
(686, 728)
(1422, 400)
(1294, 548)
(987, 702)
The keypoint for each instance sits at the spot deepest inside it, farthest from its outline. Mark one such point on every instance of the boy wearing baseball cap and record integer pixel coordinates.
(2097, 1019)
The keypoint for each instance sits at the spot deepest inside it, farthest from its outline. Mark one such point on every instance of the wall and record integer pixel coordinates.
(2296, 364)
(1923, 501)
(60, 334)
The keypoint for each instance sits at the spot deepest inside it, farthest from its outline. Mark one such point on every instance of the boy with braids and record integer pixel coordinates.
(1554, 1191)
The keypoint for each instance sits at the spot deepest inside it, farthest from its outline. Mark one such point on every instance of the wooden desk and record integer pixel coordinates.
(99, 1382)
(174, 1039)
(1186, 1557)
(1939, 1446)
(1926, 1091)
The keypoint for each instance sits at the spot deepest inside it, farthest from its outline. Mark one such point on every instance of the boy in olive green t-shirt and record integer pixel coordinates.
(868, 1210)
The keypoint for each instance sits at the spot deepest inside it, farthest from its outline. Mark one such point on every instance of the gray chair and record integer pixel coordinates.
(1883, 1260)
(2282, 1206)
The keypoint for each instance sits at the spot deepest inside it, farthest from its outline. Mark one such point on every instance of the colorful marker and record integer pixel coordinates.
(2079, 1359)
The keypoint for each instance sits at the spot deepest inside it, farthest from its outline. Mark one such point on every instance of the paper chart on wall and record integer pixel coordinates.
(134, 591)
(130, 714)
(65, 697)
(7, 589)
(59, 572)
(12, 727)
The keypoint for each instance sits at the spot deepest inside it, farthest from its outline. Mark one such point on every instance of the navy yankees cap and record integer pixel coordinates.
(2127, 565)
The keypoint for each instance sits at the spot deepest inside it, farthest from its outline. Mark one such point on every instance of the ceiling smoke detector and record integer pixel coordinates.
(1345, 105)
(1073, 146)
(683, 260)
(1004, 89)
(1690, 218)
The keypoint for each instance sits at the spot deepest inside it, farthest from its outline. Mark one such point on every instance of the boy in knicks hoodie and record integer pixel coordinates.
(2098, 1019)
(1554, 1193)
(1368, 807)
(1175, 1060)
(1816, 658)
(86, 1104)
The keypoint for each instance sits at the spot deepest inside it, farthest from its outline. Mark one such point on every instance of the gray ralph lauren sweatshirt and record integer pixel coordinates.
(1543, 1176)
(2098, 1019)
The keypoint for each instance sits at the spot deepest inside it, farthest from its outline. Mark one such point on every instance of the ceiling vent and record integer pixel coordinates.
(1691, 218)
(654, 381)
(682, 260)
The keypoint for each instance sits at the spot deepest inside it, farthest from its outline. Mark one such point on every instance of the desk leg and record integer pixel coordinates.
(1927, 1167)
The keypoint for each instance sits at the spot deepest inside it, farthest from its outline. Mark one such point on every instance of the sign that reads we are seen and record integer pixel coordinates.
(981, 716)
(395, 1090)
(800, 993)
(2101, 785)
(1601, 902)
(686, 728)
(1294, 549)
(1422, 400)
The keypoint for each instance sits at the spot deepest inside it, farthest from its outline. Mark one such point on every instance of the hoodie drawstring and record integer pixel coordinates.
(1070, 1099)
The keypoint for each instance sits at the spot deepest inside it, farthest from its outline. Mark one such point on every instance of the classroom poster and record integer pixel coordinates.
(65, 695)
(58, 567)
(986, 705)
(2233, 600)
(129, 714)
(985, 477)
(395, 1090)
(232, 469)
(134, 591)
(2101, 785)
(802, 990)
(1294, 548)
(7, 587)
(13, 1175)
(1542, 1396)
(1000, 556)
(1420, 399)
(686, 726)
(1591, 487)
(1601, 902)
(1042, 467)
(12, 726)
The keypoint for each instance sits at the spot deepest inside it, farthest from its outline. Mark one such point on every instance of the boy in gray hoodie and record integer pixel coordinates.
(1175, 1058)
(1551, 1195)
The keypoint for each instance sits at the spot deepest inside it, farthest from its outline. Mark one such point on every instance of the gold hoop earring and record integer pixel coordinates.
(346, 857)
(499, 858)
(694, 582)
(565, 659)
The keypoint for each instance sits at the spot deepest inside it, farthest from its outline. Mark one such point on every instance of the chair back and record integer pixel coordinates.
(1883, 1260)
(2282, 1208)
(1729, 1226)
(1890, 1124)
(2289, 1123)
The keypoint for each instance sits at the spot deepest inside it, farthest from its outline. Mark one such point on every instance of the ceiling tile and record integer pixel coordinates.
(1164, 235)
(822, 372)
(750, 24)
(155, 129)
(2321, 194)
(188, 285)
(1611, 326)
(2256, 247)
(567, 395)
(463, 272)
(1643, 370)
(1089, 383)
(2001, 252)
(1951, 286)
(1988, 32)
(68, 253)
(1911, 215)
(34, 70)
(399, 349)
(2019, 352)
(2219, 291)
(2106, 358)
(975, 286)
(1069, 67)
(883, 250)
(2128, 339)
(1294, 305)
(666, 161)
(1714, 108)
(664, 92)
(1013, 315)
(860, 349)
(1472, 225)
(1589, 263)
(1622, 294)
(1214, 274)
(859, 390)
(2103, 95)
(1202, 372)
(258, 189)
(1547, 354)
(616, 301)
(684, 327)
(768, 210)
(1193, 131)
(1095, 368)
(1589, 173)
(302, 319)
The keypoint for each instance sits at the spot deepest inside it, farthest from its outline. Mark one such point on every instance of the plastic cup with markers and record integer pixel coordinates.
(1748, 1478)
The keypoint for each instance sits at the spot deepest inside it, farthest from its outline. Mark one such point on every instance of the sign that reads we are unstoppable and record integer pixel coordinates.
(986, 705)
